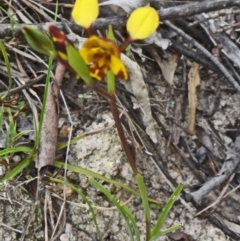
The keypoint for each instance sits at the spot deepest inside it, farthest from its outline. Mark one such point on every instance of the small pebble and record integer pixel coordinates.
(64, 237)
(16, 158)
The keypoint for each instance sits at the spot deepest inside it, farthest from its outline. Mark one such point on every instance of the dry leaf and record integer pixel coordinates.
(137, 86)
(156, 38)
(49, 132)
(168, 68)
(176, 131)
(193, 82)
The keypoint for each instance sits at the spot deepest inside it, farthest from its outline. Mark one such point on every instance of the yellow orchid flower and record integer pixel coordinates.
(102, 54)
(142, 22)
(85, 12)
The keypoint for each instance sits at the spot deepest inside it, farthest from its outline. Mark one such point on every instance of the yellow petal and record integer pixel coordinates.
(85, 12)
(142, 22)
(105, 44)
(103, 61)
(118, 68)
(85, 55)
(90, 54)
(62, 55)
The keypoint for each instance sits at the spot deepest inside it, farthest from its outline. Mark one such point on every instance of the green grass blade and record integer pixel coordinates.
(12, 128)
(16, 149)
(146, 208)
(7, 63)
(83, 197)
(19, 135)
(73, 140)
(7, 140)
(166, 231)
(133, 222)
(88, 173)
(116, 203)
(166, 210)
(16, 170)
(56, 12)
(12, 20)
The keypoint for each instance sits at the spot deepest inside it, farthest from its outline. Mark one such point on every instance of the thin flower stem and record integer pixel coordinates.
(112, 101)
(89, 31)
(127, 41)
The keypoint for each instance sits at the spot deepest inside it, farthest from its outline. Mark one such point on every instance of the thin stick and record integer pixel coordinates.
(220, 197)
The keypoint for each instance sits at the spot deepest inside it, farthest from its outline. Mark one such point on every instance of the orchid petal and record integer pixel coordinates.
(85, 12)
(101, 54)
(118, 68)
(142, 22)
(103, 43)
(59, 40)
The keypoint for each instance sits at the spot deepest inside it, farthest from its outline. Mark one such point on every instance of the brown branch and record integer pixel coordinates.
(191, 8)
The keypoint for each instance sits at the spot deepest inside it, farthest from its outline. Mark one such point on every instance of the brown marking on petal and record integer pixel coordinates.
(102, 43)
(97, 56)
(61, 50)
(114, 47)
(60, 47)
(96, 72)
(59, 39)
(121, 75)
(103, 71)
(57, 35)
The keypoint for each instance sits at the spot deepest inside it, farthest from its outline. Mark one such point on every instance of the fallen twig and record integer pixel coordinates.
(196, 7)
(229, 166)
(220, 197)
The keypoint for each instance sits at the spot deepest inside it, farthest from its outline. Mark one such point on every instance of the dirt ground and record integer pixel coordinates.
(180, 112)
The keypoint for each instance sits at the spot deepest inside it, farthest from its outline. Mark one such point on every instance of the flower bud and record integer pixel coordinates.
(39, 41)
